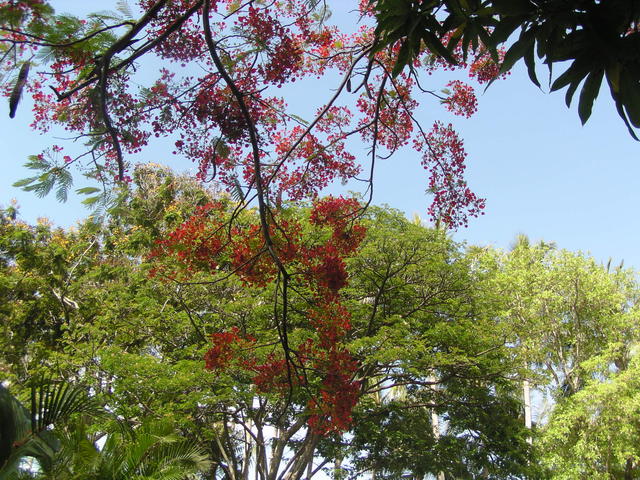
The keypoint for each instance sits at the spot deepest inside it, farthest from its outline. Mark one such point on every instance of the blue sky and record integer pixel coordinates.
(542, 173)
(546, 175)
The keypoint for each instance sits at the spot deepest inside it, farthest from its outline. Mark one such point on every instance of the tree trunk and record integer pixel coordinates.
(526, 393)
(337, 469)
(310, 468)
(301, 458)
(435, 426)
(628, 470)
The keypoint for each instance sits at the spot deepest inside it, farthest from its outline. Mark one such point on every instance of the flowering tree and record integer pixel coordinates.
(425, 346)
(218, 68)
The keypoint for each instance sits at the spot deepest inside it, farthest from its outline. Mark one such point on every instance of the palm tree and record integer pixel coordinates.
(150, 451)
(31, 433)
(52, 441)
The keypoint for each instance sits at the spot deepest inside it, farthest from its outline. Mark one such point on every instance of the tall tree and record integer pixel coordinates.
(415, 327)
(575, 325)
(222, 109)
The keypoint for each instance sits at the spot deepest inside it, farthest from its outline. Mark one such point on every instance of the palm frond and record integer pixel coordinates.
(125, 9)
(53, 402)
(185, 455)
(13, 420)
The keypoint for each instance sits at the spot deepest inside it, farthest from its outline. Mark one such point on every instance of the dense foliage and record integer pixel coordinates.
(222, 109)
(53, 439)
(281, 331)
(439, 342)
(139, 340)
(599, 38)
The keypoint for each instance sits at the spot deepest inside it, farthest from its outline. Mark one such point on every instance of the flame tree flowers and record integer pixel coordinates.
(217, 94)
(314, 258)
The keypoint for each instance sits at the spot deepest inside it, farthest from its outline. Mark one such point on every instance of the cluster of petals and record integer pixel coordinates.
(444, 158)
(201, 244)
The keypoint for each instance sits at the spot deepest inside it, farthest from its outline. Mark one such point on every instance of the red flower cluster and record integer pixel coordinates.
(202, 244)
(224, 347)
(332, 322)
(197, 244)
(444, 158)
(285, 54)
(484, 69)
(261, 45)
(331, 272)
(462, 100)
(272, 375)
(339, 394)
(327, 270)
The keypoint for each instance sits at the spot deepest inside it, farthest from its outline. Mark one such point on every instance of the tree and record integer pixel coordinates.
(227, 120)
(221, 110)
(567, 308)
(598, 424)
(415, 326)
(598, 38)
(574, 324)
(28, 432)
(412, 325)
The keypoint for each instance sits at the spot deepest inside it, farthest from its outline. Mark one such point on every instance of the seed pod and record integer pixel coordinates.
(14, 99)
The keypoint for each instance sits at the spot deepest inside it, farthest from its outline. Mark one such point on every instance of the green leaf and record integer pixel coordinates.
(54, 402)
(37, 162)
(504, 29)
(568, 97)
(488, 43)
(574, 74)
(469, 34)
(87, 190)
(10, 416)
(402, 60)
(25, 181)
(589, 92)
(613, 77)
(46, 181)
(45, 55)
(434, 44)
(64, 180)
(91, 200)
(630, 95)
(237, 192)
(391, 23)
(123, 7)
(530, 62)
(518, 50)
(623, 115)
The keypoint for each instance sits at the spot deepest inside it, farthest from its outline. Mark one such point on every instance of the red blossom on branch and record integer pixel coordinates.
(202, 244)
(221, 354)
(445, 159)
(462, 99)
